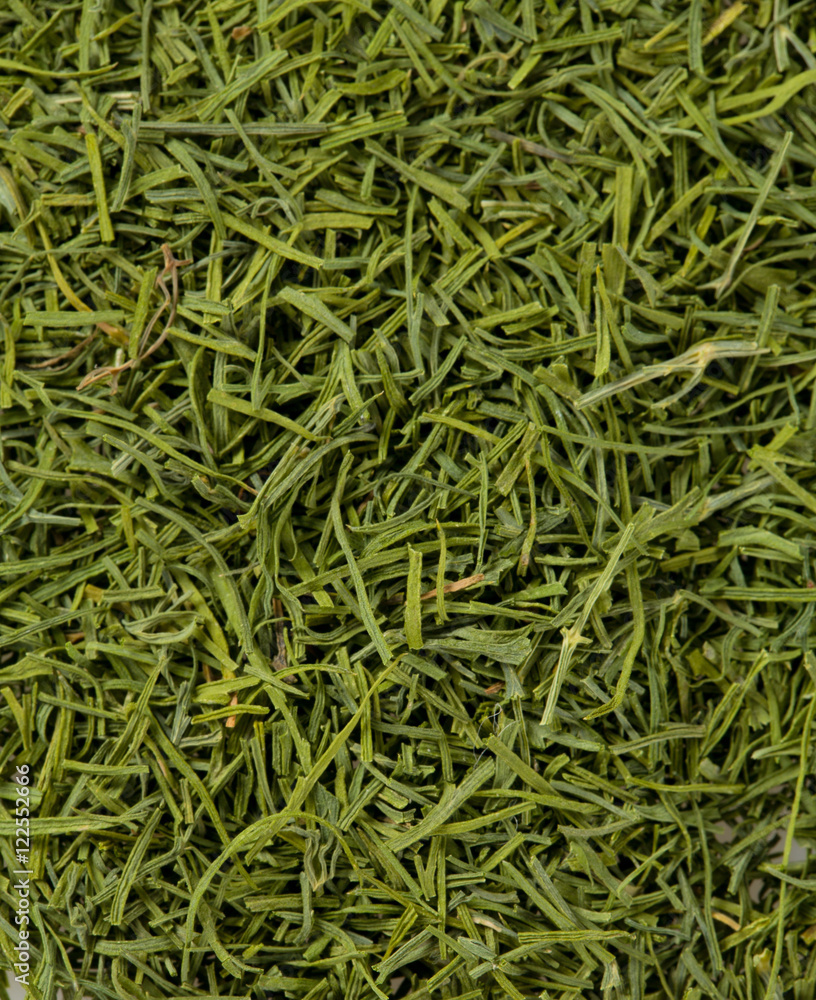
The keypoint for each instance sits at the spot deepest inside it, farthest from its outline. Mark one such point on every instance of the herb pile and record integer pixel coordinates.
(408, 420)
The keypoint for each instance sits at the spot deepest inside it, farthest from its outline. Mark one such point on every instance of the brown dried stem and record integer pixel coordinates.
(171, 267)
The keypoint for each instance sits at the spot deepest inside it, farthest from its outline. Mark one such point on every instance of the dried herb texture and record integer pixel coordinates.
(412, 596)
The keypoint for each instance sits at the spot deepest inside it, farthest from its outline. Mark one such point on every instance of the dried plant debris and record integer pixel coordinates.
(408, 424)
